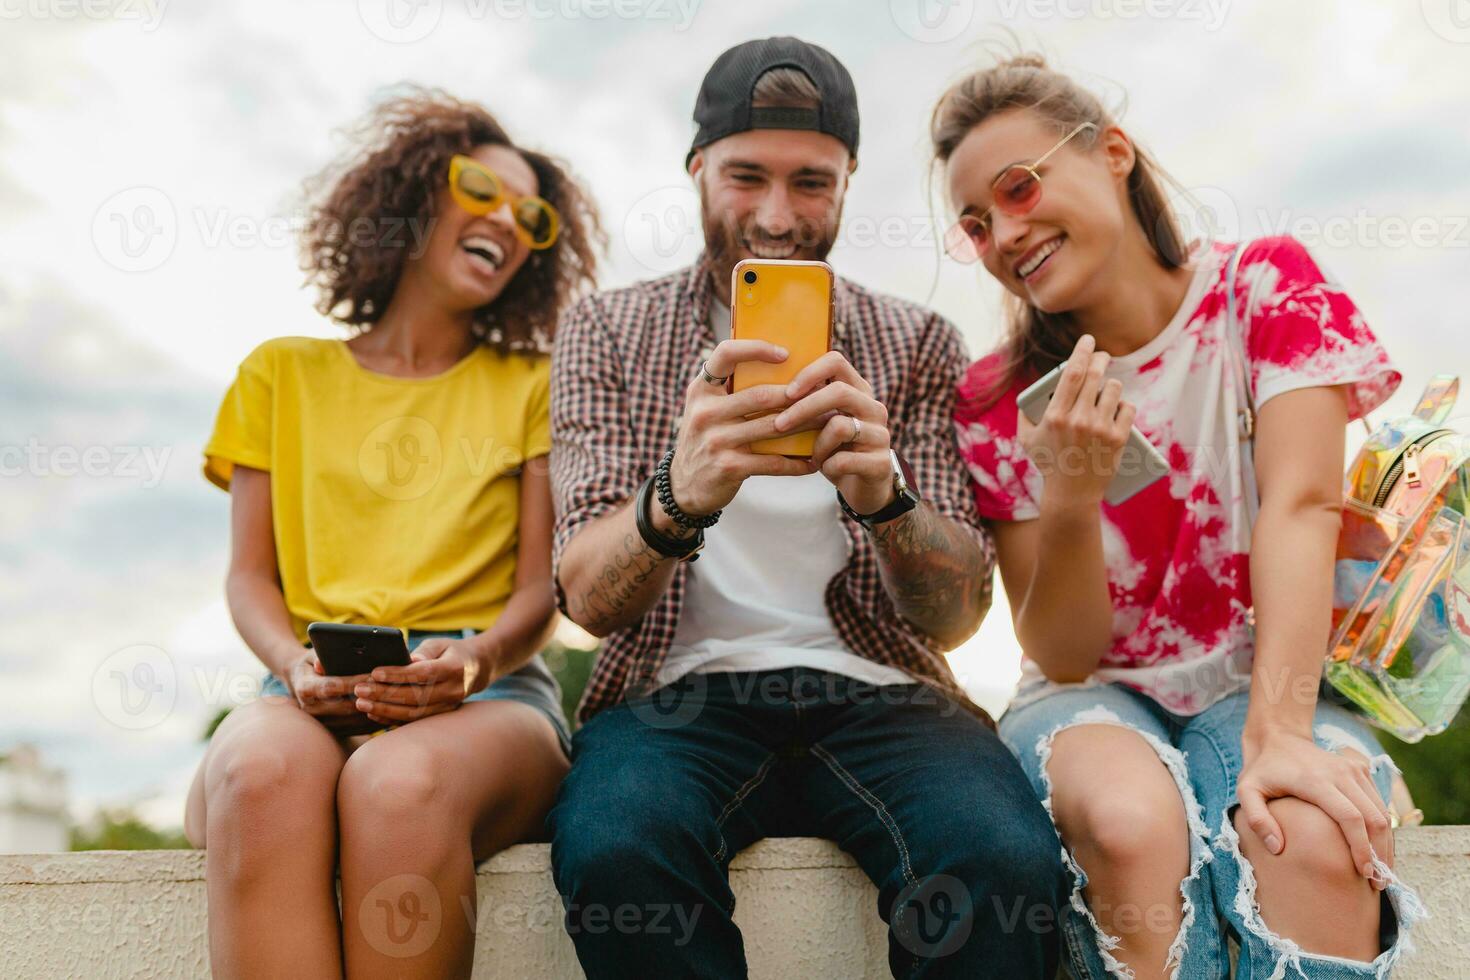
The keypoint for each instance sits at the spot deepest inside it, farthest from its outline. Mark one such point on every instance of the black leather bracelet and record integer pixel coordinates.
(665, 489)
(684, 549)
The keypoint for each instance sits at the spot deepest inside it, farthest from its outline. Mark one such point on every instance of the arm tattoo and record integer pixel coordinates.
(621, 577)
(934, 571)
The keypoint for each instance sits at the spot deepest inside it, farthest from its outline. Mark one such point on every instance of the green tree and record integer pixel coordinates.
(571, 666)
(121, 829)
(213, 724)
(1437, 771)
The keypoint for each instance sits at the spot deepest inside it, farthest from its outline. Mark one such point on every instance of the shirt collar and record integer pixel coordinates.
(698, 294)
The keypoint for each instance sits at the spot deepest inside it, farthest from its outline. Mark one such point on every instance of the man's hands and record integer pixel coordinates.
(829, 395)
(712, 456)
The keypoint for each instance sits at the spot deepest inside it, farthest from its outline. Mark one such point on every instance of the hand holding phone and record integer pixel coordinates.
(326, 698)
(445, 670)
(714, 452)
(344, 655)
(1083, 439)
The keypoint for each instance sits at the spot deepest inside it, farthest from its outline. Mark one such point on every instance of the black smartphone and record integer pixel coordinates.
(349, 648)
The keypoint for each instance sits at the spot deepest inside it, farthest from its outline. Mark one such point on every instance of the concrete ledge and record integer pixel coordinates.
(805, 908)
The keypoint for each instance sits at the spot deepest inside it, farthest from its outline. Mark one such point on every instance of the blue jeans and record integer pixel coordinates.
(666, 789)
(1203, 754)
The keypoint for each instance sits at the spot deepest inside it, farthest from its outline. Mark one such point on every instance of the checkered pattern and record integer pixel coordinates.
(622, 361)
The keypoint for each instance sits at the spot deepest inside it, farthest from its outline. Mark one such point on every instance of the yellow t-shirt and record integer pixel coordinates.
(396, 501)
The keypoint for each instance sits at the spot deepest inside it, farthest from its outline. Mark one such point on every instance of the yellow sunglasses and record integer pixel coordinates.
(479, 190)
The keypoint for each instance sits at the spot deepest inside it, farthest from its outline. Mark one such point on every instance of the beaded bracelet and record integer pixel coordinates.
(665, 490)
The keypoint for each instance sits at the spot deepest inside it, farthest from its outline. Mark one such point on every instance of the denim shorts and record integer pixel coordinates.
(1203, 755)
(532, 684)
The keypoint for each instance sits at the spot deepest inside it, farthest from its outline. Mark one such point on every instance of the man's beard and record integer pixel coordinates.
(725, 241)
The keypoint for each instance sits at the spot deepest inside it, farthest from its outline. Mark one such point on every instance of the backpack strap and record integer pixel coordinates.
(1235, 354)
(1235, 340)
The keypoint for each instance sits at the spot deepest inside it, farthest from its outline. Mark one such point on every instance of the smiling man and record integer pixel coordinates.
(792, 681)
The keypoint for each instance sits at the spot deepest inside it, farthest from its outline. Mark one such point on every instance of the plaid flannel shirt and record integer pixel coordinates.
(621, 362)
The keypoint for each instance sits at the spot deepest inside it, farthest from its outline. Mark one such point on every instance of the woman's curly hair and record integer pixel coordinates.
(379, 206)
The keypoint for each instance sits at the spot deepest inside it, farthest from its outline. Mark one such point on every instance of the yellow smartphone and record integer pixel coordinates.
(783, 302)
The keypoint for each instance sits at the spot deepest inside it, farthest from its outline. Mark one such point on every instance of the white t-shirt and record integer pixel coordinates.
(1178, 553)
(755, 598)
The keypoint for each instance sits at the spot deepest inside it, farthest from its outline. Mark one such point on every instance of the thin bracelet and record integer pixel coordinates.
(665, 490)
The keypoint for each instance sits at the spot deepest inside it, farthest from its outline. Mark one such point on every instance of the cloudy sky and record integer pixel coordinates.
(151, 162)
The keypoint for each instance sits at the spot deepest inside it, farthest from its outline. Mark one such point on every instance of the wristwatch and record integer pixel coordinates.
(905, 495)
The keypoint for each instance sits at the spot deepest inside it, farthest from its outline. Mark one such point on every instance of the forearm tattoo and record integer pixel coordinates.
(622, 576)
(933, 570)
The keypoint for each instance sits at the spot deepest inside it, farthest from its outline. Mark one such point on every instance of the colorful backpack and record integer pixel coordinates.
(1400, 648)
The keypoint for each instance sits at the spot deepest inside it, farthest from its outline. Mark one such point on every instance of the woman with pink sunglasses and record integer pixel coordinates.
(1168, 713)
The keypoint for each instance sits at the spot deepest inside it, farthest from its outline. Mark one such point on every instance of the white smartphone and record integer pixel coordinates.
(1139, 466)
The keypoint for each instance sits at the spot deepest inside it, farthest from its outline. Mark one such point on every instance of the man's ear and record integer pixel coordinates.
(696, 163)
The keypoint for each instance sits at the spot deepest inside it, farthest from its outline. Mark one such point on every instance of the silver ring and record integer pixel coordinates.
(710, 378)
(857, 429)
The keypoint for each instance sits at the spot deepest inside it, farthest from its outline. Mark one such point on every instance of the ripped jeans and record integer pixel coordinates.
(1203, 753)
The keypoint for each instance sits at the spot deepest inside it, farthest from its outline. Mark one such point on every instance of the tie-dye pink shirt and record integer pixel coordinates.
(1177, 552)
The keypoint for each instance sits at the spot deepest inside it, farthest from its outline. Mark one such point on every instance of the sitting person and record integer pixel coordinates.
(1168, 711)
(398, 478)
(792, 680)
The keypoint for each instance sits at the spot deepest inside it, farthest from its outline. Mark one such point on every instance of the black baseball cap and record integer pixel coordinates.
(724, 108)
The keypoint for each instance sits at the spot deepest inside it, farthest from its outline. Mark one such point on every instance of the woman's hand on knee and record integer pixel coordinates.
(1340, 785)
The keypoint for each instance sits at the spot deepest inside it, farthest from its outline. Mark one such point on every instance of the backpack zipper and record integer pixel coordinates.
(1407, 465)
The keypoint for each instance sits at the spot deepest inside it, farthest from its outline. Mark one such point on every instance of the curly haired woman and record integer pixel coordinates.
(398, 478)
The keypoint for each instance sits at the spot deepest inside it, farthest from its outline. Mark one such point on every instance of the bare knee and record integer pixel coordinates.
(1312, 893)
(251, 778)
(1114, 799)
(1136, 822)
(384, 783)
(263, 770)
(1316, 850)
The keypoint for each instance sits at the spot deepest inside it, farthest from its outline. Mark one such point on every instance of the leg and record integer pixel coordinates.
(643, 832)
(1306, 911)
(1120, 814)
(939, 815)
(1135, 842)
(262, 806)
(418, 807)
(1316, 867)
